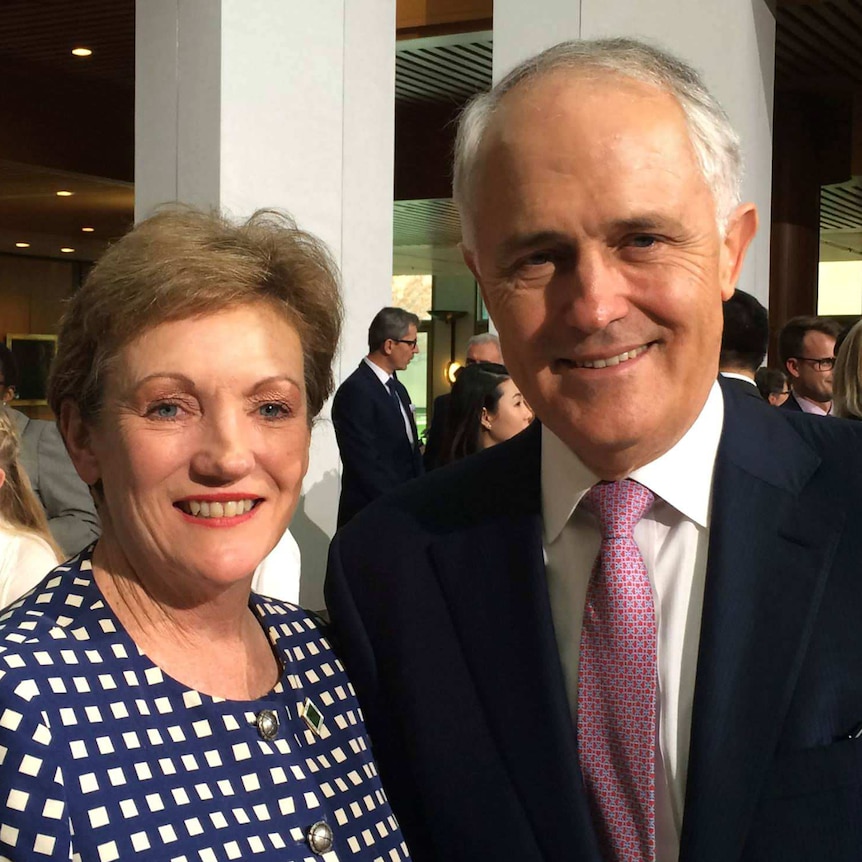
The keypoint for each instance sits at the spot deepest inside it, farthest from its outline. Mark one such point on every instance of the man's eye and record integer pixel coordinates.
(539, 258)
(643, 241)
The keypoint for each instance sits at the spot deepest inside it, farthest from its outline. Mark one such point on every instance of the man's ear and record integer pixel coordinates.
(792, 366)
(77, 437)
(8, 395)
(741, 228)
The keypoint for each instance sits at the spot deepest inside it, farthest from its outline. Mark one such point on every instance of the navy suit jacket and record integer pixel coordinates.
(447, 635)
(375, 452)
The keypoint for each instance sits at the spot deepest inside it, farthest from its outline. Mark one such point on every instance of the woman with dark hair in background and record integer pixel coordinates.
(486, 408)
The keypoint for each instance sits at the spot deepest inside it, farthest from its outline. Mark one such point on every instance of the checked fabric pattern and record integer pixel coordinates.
(617, 679)
(105, 757)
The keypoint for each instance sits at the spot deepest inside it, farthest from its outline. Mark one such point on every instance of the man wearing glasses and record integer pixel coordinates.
(807, 347)
(373, 415)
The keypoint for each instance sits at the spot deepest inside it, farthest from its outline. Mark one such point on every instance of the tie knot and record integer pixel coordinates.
(618, 506)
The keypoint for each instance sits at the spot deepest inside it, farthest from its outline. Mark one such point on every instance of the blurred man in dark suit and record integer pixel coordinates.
(806, 346)
(373, 415)
(744, 341)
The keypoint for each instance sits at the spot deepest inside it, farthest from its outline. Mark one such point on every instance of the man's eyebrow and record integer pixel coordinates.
(519, 242)
(645, 223)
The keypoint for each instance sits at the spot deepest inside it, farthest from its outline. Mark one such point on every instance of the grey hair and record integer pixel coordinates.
(716, 144)
(390, 322)
(482, 338)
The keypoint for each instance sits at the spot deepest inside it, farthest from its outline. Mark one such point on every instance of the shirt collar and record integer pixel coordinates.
(682, 476)
(734, 376)
(382, 376)
(808, 406)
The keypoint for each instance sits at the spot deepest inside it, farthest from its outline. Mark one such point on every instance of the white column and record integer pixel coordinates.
(740, 76)
(242, 104)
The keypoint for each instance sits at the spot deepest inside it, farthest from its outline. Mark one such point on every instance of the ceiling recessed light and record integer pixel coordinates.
(64, 193)
(67, 250)
(87, 229)
(82, 52)
(22, 245)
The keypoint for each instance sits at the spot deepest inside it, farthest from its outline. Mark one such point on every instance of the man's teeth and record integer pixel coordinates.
(613, 360)
(229, 509)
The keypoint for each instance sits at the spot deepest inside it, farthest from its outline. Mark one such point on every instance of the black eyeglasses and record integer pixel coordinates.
(827, 363)
(412, 342)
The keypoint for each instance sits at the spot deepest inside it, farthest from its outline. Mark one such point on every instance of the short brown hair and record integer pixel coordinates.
(793, 332)
(183, 263)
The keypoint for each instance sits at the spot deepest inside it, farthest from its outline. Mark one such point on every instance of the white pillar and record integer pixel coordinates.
(698, 31)
(242, 104)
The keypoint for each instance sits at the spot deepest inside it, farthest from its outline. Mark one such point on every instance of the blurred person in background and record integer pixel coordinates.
(216, 723)
(847, 377)
(27, 549)
(744, 341)
(772, 385)
(66, 500)
(484, 347)
(486, 408)
(806, 346)
(372, 414)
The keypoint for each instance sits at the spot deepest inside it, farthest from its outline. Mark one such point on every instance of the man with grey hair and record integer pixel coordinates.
(373, 415)
(632, 632)
(484, 347)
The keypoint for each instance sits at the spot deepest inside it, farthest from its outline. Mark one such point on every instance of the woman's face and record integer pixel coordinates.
(513, 416)
(202, 445)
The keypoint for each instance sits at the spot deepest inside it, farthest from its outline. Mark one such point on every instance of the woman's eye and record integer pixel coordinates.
(274, 410)
(165, 411)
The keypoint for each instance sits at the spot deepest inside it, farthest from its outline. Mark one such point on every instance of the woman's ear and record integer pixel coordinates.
(77, 437)
(486, 419)
(2, 476)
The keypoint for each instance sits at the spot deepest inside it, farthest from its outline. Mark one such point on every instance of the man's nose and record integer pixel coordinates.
(596, 293)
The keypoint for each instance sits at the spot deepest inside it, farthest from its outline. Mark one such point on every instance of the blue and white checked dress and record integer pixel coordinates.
(103, 756)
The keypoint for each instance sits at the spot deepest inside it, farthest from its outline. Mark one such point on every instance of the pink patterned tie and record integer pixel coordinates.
(617, 680)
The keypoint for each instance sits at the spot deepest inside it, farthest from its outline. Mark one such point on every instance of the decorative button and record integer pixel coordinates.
(267, 724)
(320, 838)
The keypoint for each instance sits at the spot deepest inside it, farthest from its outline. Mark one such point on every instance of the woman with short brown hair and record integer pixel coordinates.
(163, 709)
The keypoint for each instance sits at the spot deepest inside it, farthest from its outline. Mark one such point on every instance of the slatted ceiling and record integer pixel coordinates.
(437, 73)
(823, 40)
(426, 222)
(841, 206)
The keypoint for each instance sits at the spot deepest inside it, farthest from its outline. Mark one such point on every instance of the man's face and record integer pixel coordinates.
(808, 380)
(485, 351)
(404, 349)
(593, 236)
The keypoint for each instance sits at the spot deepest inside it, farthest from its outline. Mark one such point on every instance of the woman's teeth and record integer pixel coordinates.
(204, 509)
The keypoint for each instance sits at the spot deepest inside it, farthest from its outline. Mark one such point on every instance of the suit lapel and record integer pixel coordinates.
(769, 555)
(493, 577)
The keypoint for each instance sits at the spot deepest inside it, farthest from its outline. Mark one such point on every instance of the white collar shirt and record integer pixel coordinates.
(384, 377)
(673, 539)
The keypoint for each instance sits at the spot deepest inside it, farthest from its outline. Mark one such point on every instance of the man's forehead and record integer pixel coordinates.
(542, 99)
